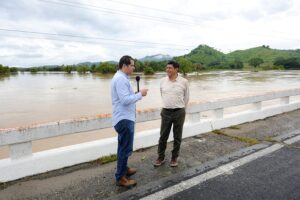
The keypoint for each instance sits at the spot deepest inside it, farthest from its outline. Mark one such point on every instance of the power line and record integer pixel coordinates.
(166, 11)
(137, 15)
(93, 42)
(88, 37)
(155, 9)
(120, 12)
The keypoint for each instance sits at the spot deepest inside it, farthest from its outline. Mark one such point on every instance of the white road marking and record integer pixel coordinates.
(224, 169)
(292, 140)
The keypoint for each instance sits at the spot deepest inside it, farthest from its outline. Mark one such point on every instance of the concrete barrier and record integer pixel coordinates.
(22, 162)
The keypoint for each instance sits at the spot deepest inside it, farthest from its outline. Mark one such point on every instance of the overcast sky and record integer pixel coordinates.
(43, 32)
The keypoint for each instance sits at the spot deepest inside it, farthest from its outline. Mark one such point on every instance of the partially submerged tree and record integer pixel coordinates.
(185, 65)
(255, 62)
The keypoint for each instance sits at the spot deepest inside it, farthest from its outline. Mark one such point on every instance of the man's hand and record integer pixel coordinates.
(144, 91)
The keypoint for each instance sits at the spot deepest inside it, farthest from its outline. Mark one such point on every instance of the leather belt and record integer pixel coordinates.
(172, 109)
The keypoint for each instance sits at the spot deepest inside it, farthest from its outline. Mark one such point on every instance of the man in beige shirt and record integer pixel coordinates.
(174, 91)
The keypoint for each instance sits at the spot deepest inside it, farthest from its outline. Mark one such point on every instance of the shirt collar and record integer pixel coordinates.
(176, 79)
(123, 74)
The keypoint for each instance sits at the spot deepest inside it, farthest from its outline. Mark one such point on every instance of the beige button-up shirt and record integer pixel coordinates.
(175, 94)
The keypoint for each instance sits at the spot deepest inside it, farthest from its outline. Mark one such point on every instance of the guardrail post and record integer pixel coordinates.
(257, 106)
(284, 100)
(20, 150)
(194, 117)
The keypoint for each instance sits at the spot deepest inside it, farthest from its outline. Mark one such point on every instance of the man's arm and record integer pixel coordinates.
(186, 94)
(124, 94)
(160, 87)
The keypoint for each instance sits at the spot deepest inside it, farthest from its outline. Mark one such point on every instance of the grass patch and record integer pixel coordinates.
(219, 132)
(142, 149)
(270, 139)
(234, 127)
(107, 159)
(250, 141)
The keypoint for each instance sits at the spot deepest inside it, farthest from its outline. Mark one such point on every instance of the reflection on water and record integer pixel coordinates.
(36, 98)
(7, 77)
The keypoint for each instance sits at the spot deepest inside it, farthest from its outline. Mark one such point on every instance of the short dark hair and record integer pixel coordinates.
(125, 60)
(174, 63)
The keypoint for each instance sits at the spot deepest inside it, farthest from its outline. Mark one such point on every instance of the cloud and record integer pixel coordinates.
(180, 25)
(56, 17)
(23, 55)
(276, 6)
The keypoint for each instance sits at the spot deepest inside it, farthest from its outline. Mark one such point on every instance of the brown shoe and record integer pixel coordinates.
(125, 182)
(174, 162)
(159, 162)
(130, 171)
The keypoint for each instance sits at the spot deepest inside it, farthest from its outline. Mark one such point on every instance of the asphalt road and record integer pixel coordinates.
(274, 176)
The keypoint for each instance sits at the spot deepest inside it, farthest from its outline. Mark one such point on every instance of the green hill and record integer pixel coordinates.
(205, 55)
(264, 52)
(211, 58)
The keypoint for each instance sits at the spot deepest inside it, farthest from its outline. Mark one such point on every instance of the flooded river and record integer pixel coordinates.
(37, 98)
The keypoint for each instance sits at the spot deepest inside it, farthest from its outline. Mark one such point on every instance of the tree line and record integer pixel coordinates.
(5, 70)
(150, 67)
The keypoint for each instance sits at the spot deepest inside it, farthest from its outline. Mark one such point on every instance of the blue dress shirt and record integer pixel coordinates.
(123, 98)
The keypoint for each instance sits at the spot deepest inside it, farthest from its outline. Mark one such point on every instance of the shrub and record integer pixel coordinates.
(148, 71)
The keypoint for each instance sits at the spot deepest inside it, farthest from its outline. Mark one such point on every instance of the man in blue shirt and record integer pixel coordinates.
(123, 118)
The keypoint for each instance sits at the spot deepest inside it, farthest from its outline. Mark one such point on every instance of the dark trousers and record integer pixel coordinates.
(125, 130)
(169, 118)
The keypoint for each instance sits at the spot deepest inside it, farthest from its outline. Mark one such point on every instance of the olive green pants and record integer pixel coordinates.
(168, 118)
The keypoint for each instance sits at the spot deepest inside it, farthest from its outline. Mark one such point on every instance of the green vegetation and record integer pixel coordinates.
(148, 71)
(264, 52)
(249, 141)
(201, 58)
(13, 70)
(4, 70)
(68, 69)
(107, 159)
(236, 64)
(139, 66)
(105, 68)
(255, 62)
(288, 63)
(207, 56)
(270, 139)
(262, 58)
(185, 65)
(155, 65)
(234, 127)
(82, 69)
(33, 70)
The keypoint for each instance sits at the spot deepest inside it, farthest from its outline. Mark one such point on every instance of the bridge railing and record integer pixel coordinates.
(23, 162)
